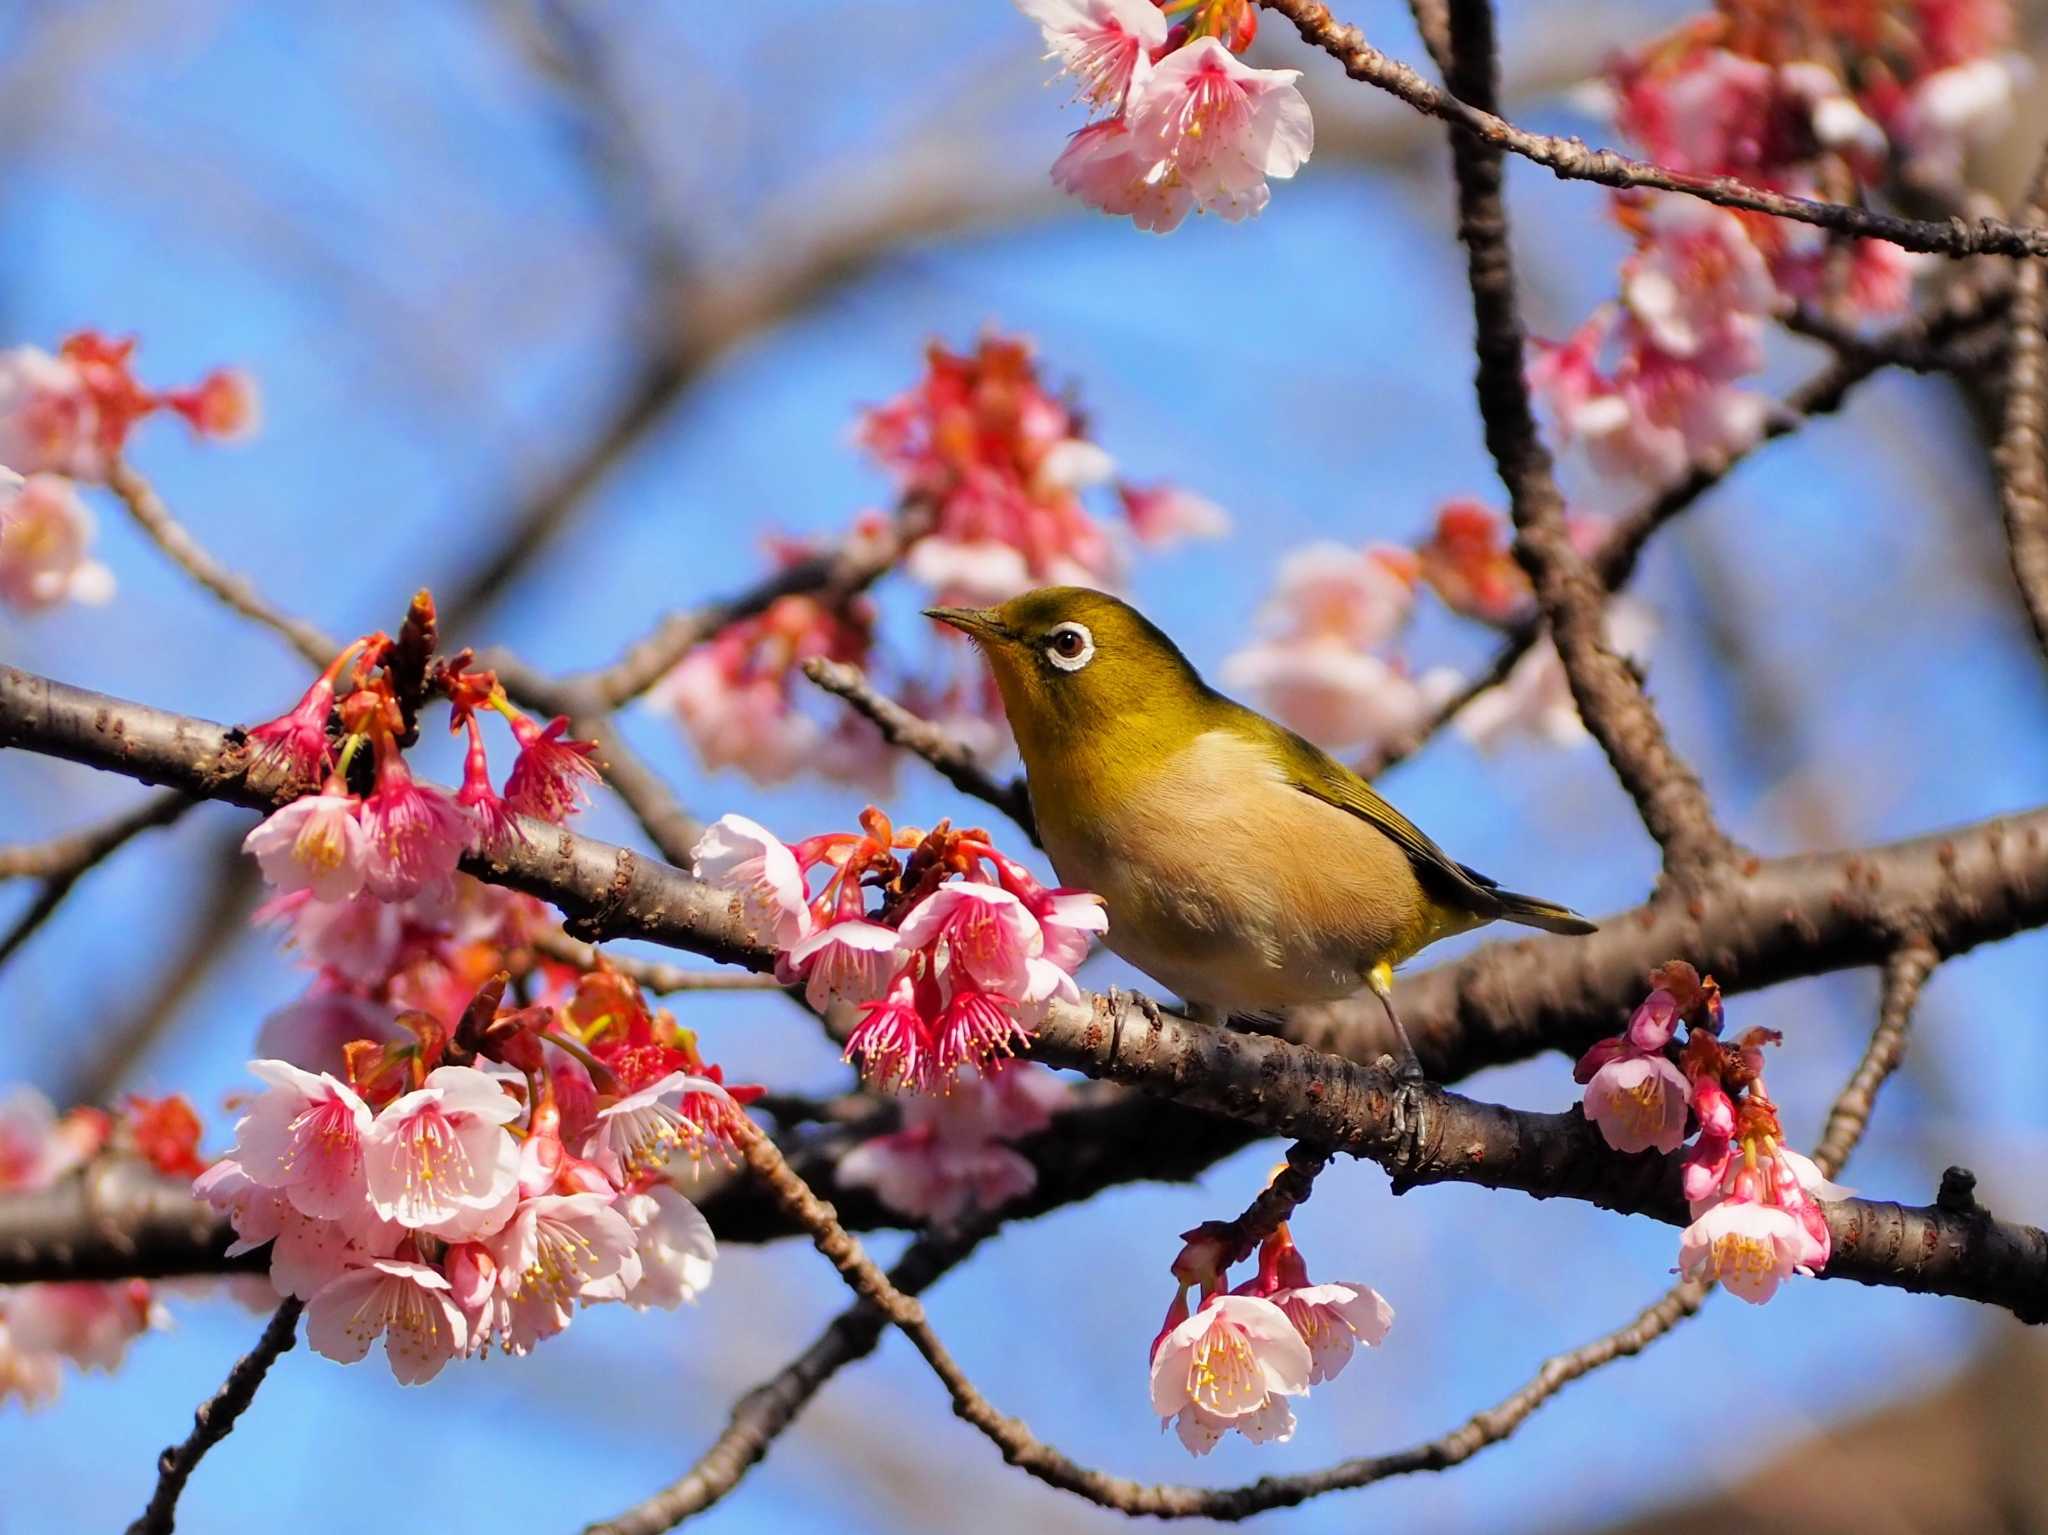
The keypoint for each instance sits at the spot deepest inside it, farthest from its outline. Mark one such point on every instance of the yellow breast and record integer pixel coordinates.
(1228, 884)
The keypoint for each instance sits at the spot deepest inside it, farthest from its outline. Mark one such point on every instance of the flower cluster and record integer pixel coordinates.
(1756, 1217)
(90, 1324)
(67, 418)
(1232, 1362)
(951, 970)
(365, 868)
(1815, 104)
(1185, 125)
(997, 466)
(951, 1157)
(473, 1187)
(1328, 662)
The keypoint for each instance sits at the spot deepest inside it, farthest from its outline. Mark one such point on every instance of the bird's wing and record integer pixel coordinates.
(1315, 772)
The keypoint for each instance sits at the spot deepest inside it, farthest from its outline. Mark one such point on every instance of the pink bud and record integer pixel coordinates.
(1654, 1021)
(1590, 1063)
(1716, 1110)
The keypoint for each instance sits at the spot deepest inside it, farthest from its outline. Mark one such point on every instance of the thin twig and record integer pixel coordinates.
(1904, 975)
(652, 974)
(155, 519)
(1572, 160)
(760, 1417)
(62, 862)
(900, 727)
(215, 1419)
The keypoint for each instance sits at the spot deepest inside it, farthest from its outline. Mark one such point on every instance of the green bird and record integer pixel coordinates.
(1242, 866)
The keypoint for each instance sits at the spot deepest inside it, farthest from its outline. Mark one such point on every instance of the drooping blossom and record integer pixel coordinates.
(1230, 1365)
(1332, 1318)
(46, 535)
(90, 1324)
(637, 1134)
(844, 961)
(406, 1304)
(986, 932)
(1104, 44)
(1638, 1101)
(551, 776)
(675, 1246)
(315, 843)
(1467, 562)
(1220, 127)
(951, 1155)
(71, 413)
(415, 832)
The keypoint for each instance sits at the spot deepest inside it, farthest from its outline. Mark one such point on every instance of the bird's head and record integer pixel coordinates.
(1074, 664)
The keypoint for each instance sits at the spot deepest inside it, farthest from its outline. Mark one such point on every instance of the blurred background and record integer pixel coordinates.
(560, 308)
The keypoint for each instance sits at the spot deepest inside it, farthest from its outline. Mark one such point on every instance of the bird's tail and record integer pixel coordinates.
(1548, 915)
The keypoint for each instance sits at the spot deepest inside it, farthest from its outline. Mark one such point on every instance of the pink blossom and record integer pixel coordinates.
(304, 1138)
(636, 1135)
(1638, 1102)
(1108, 167)
(920, 1173)
(31, 1375)
(49, 423)
(441, 1149)
(315, 843)
(1165, 514)
(894, 1038)
(1230, 1366)
(976, 1028)
(1714, 1109)
(88, 1323)
(555, 1249)
(1104, 44)
(416, 833)
(675, 1247)
(305, 1251)
(1953, 110)
(407, 1304)
(36, 1146)
(1019, 1098)
(1537, 700)
(1748, 1246)
(1700, 288)
(737, 719)
(844, 961)
(45, 533)
(294, 745)
(1333, 1319)
(988, 934)
(739, 855)
(1338, 696)
(494, 827)
(358, 939)
(1706, 1165)
(1655, 1019)
(1219, 127)
(551, 776)
(1359, 597)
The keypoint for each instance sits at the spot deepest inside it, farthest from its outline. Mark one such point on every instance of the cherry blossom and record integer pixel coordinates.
(844, 961)
(552, 1252)
(1231, 1365)
(1220, 127)
(437, 1151)
(739, 855)
(304, 1137)
(89, 1324)
(1104, 44)
(636, 1134)
(1638, 1101)
(986, 932)
(1161, 515)
(1750, 1248)
(315, 843)
(416, 833)
(46, 534)
(674, 1244)
(551, 776)
(407, 1304)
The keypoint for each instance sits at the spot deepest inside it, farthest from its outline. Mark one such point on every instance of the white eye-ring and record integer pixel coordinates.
(1070, 647)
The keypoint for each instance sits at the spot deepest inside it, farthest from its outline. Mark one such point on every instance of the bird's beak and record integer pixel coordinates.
(975, 623)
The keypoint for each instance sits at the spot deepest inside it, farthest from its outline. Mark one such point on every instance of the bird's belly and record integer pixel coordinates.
(1234, 942)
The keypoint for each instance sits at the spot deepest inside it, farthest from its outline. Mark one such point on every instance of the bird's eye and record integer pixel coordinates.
(1070, 647)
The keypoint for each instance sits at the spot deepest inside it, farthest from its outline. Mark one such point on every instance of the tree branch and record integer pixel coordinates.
(900, 727)
(1420, 1134)
(1904, 975)
(1610, 697)
(2022, 468)
(215, 1419)
(1572, 160)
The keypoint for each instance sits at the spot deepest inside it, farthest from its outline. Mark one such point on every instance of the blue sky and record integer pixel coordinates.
(391, 228)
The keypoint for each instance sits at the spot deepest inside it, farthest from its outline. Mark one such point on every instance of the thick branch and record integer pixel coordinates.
(1572, 160)
(2022, 467)
(1420, 1135)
